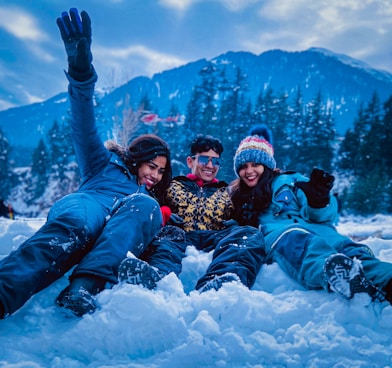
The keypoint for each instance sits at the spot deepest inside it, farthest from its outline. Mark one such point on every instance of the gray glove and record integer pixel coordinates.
(75, 32)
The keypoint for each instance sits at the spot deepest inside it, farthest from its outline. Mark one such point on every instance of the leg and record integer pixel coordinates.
(315, 264)
(130, 229)
(238, 255)
(379, 273)
(167, 250)
(302, 255)
(163, 256)
(73, 224)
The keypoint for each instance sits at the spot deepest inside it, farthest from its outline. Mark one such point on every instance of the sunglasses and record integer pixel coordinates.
(204, 160)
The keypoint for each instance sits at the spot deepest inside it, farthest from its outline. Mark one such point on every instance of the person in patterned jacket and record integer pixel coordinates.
(199, 209)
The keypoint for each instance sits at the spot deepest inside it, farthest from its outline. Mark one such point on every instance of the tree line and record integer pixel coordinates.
(304, 136)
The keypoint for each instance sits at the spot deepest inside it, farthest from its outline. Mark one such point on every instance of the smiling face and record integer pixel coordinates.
(205, 171)
(151, 173)
(250, 173)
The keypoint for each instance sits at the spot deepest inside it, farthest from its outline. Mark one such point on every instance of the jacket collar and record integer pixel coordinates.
(198, 181)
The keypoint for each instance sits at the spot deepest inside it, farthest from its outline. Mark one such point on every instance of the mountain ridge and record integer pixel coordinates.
(343, 81)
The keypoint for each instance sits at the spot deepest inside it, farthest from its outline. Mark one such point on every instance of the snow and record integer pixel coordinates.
(276, 324)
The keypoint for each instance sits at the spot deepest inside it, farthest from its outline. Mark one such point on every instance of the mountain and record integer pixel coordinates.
(343, 81)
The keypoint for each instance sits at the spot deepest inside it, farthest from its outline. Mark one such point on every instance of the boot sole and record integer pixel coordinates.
(137, 272)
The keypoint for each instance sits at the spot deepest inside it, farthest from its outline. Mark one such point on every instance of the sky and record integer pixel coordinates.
(143, 37)
(276, 324)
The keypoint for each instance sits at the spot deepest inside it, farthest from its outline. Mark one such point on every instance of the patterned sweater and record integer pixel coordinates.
(201, 207)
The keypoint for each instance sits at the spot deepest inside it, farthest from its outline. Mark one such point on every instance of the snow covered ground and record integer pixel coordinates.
(276, 324)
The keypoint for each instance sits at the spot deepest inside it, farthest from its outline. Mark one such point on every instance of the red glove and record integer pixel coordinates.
(166, 213)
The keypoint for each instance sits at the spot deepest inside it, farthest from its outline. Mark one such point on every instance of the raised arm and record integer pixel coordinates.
(75, 31)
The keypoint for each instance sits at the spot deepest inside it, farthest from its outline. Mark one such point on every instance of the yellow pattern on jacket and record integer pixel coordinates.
(201, 208)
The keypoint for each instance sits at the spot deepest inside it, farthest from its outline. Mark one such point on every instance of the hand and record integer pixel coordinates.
(175, 220)
(229, 223)
(76, 34)
(317, 188)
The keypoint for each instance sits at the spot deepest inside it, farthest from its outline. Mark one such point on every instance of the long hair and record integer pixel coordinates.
(144, 149)
(249, 202)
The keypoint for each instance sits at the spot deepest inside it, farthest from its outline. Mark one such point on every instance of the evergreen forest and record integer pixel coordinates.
(304, 136)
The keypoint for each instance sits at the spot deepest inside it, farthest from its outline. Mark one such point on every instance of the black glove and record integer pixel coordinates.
(76, 34)
(318, 188)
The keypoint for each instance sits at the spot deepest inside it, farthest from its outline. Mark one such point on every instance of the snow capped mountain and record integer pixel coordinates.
(381, 74)
(343, 81)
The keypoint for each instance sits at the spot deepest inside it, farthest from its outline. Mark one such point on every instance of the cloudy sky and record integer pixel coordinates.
(143, 37)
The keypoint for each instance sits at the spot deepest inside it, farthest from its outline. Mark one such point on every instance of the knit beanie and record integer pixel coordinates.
(257, 148)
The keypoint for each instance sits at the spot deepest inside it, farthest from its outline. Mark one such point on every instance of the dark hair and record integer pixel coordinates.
(249, 202)
(142, 149)
(204, 143)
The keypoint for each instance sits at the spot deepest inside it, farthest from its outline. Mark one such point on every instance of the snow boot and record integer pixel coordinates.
(137, 272)
(171, 233)
(79, 295)
(345, 277)
(217, 281)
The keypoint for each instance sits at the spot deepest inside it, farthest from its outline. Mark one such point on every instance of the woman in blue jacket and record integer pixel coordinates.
(112, 213)
(297, 217)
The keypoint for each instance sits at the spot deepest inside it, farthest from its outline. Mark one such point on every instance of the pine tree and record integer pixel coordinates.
(208, 90)
(369, 147)
(234, 120)
(370, 194)
(316, 146)
(40, 169)
(61, 151)
(6, 176)
(366, 148)
(294, 132)
(385, 141)
(280, 124)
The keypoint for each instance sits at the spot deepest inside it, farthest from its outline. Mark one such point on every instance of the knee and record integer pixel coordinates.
(357, 250)
(145, 207)
(78, 215)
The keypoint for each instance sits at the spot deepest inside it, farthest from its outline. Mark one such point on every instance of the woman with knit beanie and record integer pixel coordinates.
(113, 212)
(297, 217)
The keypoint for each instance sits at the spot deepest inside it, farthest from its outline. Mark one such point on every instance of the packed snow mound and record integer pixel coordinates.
(276, 324)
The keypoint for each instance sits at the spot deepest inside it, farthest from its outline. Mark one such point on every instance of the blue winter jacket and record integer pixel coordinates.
(290, 208)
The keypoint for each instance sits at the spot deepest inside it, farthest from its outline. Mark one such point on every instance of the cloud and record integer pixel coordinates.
(4, 105)
(348, 26)
(237, 5)
(151, 60)
(180, 5)
(231, 5)
(41, 53)
(20, 24)
(29, 97)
